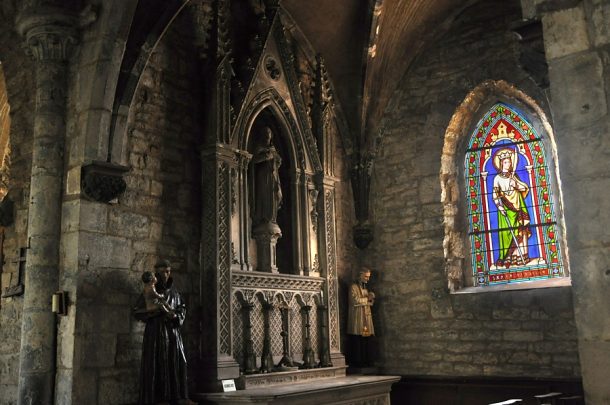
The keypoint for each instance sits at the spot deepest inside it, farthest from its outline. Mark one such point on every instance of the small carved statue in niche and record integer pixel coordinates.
(360, 320)
(267, 188)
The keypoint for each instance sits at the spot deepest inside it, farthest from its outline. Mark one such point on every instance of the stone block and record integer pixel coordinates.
(592, 141)
(84, 386)
(441, 309)
(505, 370)
(586, 221)
(565, 32)
(129, 351)
(103, 251)
(6, 279)
(569, 358)
(467, 369)
(464, 358)
(73, 181)
(93, 89)
(485, 358)
(595, 361)
(70, 212)
(522, 357)
(121, 388)
(115, 319)
(581, 100)
(522, 336)
(429, 189)
(94, 216)
(480, 335)
(68, 252)
(98, 349)
(511, 313)
(8, 393)
(129, 224)
(65, 342)
(63, 386)
(156, 188)
(590, 292)
(599, 11)
(9, 368)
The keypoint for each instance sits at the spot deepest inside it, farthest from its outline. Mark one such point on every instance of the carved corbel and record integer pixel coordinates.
(102, 181)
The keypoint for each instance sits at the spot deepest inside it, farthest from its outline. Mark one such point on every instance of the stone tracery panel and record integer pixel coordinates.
(293, 290)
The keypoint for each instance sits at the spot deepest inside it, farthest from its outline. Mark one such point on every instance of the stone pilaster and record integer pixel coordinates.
(49, 37)
(215, 290)
(328, 264)
(577, 46)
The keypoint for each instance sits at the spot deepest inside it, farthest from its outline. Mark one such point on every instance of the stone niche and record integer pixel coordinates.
(279, 292)
(269, 244)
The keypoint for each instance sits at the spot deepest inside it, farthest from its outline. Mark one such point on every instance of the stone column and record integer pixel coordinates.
(49, 37)
(266, 236)
(240, 193)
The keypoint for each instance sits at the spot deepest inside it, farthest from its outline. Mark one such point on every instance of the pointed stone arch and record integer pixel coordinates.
(455, 243)
(271, 100)
(5, 125)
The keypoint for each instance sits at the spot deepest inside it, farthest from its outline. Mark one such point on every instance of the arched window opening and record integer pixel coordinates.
(511, 206)
(5, 125)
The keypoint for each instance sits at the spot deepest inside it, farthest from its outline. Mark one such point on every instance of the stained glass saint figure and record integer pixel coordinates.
(509, 194)
(512, 223)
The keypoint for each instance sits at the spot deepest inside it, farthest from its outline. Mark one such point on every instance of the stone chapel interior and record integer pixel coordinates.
(270, 150)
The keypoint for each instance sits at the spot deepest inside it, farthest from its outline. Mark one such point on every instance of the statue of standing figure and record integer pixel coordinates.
(267, 188)
(360, 327)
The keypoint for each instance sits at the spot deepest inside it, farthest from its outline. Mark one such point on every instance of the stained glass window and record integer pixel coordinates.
(511, 212)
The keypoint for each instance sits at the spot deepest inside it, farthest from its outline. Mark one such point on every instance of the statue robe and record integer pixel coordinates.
(510, 192)
(359, 318)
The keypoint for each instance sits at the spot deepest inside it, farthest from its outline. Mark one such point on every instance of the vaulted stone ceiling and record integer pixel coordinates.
(345, 33)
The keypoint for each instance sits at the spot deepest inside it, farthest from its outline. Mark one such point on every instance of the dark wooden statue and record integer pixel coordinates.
(163, 367)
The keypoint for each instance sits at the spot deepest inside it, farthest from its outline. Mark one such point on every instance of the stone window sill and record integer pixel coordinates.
(550, 283)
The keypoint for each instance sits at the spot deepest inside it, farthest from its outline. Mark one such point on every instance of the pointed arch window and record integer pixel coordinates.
(512, 212)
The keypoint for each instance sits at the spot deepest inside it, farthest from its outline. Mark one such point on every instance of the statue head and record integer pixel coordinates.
(267, 136)
(148, 277)
(364, 274)
(163, 268)
(505, 160)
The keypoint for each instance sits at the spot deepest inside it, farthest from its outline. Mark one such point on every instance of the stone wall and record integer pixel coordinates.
(158, 216)
(577, 43)
(423, 330)
(18, 73)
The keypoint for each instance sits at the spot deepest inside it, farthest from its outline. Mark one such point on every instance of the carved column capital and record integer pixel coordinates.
(49, 32)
